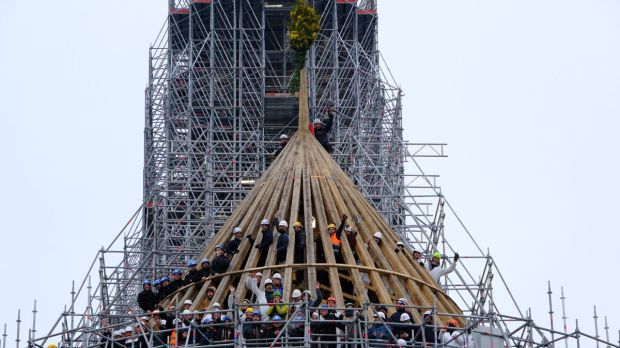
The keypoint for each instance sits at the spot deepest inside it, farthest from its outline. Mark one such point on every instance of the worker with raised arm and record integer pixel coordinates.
(334, 236)
(321, 130)
(436, 270)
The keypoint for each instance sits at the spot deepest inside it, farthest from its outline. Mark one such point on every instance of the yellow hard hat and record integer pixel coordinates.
(249, 310)
(297, 224)
(437, 254)
(331, 226)
(52, 345)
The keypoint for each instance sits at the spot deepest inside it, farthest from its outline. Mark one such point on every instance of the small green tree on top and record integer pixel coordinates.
(303, 29)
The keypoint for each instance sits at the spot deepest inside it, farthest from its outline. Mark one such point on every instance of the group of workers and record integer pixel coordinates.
(147, 299)
(263, 317)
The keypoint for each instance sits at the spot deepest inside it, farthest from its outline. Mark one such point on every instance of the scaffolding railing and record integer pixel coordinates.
(359, 325)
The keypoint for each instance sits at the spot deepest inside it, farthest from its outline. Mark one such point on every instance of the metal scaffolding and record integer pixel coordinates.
(217, 99)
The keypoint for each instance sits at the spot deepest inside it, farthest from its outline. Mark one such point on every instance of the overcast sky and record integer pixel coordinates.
(525, 93)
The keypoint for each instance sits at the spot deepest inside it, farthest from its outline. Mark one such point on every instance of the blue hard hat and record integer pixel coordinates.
(146, 281)
(177, 271)
(156, 282)
(225, 317)
(204, 260)
(220, 246)
(191, 263)
(276, 318)
(324, 306)
(165, 278)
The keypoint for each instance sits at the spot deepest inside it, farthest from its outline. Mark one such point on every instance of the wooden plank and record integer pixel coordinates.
(290, 252)
(427, 298)
(321, 223)
(310, 249)
(333, 201)
(270, 210)
(265, 193)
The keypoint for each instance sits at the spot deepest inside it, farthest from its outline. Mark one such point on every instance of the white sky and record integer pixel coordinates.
(524, 92)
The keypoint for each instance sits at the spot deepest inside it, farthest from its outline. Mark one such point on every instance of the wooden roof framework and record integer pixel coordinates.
(303, 183)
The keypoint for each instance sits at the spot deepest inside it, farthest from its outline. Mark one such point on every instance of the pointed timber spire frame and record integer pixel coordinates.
(305, 184)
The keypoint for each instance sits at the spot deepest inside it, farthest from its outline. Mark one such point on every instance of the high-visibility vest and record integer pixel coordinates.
(173, 339)
(335, 240)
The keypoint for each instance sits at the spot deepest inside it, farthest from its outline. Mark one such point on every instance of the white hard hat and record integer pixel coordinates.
(237, 230)
(404, 317)
(380, 315)
(116, 333)
(400, 243)
(121, 331)
(216, 305)
(258, 274)
(187, 311)
(317, 120)
(428, 313)
(264, 222)
(189, 302)
(277, 276)
(378, 235)
(296, 293)
(401, 343)
(402, 300)
(349, 228)
(268, 281)
(163, 322)
(283, 136)
(283, 223)
(129, 329)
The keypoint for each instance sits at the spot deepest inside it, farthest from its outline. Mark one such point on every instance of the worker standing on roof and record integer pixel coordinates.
(417, 255)
(321, 130)
(435, 269)
(205, 268)
(282, 243)
(351, 235)
(177, 281)
(334, 236)
(192, 275)
(265, 242)
(300, 249)
(283, 142)
(233, 245)
(220, 262)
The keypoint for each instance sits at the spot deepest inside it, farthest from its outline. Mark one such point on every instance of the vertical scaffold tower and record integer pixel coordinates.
(219, 96)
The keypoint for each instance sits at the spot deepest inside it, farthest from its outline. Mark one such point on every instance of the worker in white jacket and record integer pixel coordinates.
(452, 338)
(435, 269)
(261, 299)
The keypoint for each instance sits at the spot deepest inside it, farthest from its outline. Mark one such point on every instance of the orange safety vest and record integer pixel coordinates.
(173, 339)
(335, 240)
